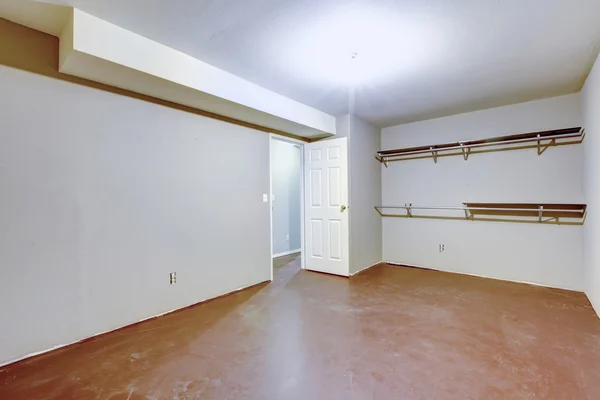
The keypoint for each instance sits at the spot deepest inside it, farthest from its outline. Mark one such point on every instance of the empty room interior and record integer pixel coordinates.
(306, 199)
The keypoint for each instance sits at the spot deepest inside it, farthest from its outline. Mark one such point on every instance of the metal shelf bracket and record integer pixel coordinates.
(465, 151)
(541, 149)
(435, 155)
(382, 160)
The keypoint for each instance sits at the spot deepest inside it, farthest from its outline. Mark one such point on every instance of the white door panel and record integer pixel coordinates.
(317, 236)
(326, 200)
(315, 188)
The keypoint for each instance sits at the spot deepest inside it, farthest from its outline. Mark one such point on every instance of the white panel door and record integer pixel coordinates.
(326, 206)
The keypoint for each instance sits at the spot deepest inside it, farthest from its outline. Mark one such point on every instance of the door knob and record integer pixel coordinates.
(343, 208)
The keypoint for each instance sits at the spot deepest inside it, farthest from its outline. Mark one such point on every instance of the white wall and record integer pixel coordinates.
(365, 193)
(591, 185)
(286, 170)
(543, 254)
(102, 196)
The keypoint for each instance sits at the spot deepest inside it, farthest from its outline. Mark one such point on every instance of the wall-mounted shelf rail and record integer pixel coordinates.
(559, 214)
(540, 140)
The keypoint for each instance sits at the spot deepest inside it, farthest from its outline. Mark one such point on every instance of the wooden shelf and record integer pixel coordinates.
(549, 213)
(527, 210)
(543, 140)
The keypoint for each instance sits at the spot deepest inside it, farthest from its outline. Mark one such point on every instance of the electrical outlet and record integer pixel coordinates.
(173, 278)
(442, 248)
(287, 237)
(265, 198)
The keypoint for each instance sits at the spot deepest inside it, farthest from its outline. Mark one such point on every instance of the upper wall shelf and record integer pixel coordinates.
(541, 140)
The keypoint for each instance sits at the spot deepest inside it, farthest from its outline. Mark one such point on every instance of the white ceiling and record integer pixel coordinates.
(416, 59)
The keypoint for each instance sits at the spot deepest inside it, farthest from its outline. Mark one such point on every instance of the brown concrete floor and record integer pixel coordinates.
(280, 262)
(388, 333)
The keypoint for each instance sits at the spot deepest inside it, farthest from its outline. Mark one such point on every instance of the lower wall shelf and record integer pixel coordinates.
(544, 213)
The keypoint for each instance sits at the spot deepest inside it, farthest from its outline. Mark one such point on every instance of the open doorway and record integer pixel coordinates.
(286, 202)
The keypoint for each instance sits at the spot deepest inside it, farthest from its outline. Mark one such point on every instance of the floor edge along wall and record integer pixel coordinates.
(405, 265)
(98, 335)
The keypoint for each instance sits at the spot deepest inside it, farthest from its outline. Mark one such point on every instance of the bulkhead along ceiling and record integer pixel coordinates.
(388, 61)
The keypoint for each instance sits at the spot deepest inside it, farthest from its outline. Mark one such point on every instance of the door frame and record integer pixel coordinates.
(300, 144)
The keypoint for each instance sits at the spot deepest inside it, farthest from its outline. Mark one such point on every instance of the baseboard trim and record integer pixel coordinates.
(286, 253)
(98, 335)
(366, 268)
(397, 264)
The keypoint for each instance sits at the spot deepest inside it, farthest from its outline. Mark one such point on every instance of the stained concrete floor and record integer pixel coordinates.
(280, 262)
(387, 333)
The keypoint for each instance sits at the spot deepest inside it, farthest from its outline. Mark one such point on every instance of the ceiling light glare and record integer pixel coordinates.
(357, 46)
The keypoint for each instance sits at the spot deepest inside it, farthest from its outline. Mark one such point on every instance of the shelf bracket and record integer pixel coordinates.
(435, 154)
(540, 212)
(382, 160)
(408, 212)
(465, 151)
(541, 149)
(467, 216)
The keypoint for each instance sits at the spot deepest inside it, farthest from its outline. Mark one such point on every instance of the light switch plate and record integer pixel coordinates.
(265, 198)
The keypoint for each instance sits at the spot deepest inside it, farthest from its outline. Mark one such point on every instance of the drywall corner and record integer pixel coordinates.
(342, 127)
(364, 190)
(66, 43)
(365, 193)
(591, 185)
